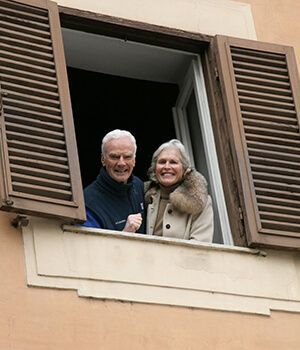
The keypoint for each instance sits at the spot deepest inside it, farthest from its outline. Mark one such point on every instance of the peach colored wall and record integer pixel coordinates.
(277, 21)
(46, 319)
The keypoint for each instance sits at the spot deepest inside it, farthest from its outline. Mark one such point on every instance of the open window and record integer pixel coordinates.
(193, 127)
(253, 115)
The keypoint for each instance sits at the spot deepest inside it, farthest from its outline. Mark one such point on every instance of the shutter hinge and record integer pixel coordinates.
(2, 94)
(241, 213)
(216, 73)
(8, 202)
(20, 221)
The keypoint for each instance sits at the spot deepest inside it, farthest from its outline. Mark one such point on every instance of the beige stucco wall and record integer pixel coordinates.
(37, 318)
(203, 16)
(277, 21)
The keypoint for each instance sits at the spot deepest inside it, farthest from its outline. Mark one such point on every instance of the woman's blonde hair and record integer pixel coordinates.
(174, 143)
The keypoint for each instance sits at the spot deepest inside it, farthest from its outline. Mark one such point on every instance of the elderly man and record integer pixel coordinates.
(115, 200)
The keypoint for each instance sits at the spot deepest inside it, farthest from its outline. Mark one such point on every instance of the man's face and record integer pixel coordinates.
(119, 159)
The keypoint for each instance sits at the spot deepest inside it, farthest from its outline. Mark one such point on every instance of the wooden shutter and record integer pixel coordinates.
(260, 87)
(39, 164)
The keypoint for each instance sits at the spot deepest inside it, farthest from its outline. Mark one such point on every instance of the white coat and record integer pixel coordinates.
(189, 215)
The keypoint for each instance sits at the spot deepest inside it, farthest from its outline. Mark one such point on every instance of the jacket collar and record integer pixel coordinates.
(189, 197)
(107, 183)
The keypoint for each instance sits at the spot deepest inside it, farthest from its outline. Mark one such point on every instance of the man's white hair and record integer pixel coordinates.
(117, 134)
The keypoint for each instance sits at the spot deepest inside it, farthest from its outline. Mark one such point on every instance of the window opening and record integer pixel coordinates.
(121, 84)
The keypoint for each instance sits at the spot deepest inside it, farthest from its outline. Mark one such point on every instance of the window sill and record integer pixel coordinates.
(132, 267)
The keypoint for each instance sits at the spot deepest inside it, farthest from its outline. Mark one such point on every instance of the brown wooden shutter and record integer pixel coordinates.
(39, 163)
(260, 86)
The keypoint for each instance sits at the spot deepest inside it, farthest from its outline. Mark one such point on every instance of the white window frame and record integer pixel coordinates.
(194, 81)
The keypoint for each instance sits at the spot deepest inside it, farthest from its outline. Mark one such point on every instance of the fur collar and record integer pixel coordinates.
(189, 197)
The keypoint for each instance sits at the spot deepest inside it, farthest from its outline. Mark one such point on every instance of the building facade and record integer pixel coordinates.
(222, 76)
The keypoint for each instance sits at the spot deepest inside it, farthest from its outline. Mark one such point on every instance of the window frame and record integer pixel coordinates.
(206, 47)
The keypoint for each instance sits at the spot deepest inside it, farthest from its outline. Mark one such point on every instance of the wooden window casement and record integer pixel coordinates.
(253, 94)
(39, 164)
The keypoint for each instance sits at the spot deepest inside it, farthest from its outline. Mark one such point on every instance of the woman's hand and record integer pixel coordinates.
(133, 222)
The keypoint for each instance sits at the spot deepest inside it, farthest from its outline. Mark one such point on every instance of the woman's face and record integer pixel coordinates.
(169, 169)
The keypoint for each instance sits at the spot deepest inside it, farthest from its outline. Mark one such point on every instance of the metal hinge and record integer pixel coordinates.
(20, 221)
(216, 72)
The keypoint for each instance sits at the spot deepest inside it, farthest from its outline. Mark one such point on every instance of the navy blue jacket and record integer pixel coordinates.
(108, 202)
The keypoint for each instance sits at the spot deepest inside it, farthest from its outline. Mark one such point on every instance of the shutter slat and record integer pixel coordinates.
(294, 189)
(31, 84)
(267, 110)
(277, 225)
(42, 191)
(15, 34)
(37, 78)
(28, 27)
(7, 86)
(271, 125)
(258, 60)
(22, 129)
(285, 202)
(24, 11)
(273, 132)
(11, 110)
(12, 24)
(22, 178)
(13, 95)
(36, 155)
(281, 217)
(262, 101)
(273, 147)
(31, 68)
(23, 51)
(262, 79)
(39, 49)
(274, 155)
(30, 21)
(269, 192)
(33, 122)
(16, 57)
(265, 96)
(37, 148)
(274, 170)
(40, 164)
(38, 140)
(31, 106)
(276, 178)
(40, 173)
(273, 140)
(271, 208)
(257, 53)
(274, 162)
(270, 118)
(263, 89)
(259, 68)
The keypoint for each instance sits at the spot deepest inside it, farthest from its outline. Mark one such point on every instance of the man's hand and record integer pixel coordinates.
(133, 222)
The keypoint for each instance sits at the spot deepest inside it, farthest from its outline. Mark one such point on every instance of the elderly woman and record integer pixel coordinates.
(178, 203)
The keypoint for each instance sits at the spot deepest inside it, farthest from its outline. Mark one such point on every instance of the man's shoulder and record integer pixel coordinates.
(137, 181)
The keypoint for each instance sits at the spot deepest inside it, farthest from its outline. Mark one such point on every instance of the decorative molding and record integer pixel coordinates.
(130, 267)
(209, 17)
